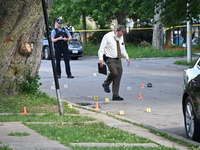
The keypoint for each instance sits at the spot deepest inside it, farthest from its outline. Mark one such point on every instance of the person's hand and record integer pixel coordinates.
(128, 62)
(101, 63)
(60, 38)
(65, 39)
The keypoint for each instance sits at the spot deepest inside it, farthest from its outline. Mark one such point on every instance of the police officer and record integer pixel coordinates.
(60, 36)
(70, 28)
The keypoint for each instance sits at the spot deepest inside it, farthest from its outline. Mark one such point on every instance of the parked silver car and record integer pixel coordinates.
(75, 48)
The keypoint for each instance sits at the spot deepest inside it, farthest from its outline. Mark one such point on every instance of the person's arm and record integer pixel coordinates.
(124, 53)
(69, 38)
(101, 50)
(53, 39)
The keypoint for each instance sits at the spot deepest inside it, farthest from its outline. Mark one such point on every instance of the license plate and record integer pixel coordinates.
(74, 51)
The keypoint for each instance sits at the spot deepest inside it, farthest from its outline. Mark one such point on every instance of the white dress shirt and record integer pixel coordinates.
(109, 47)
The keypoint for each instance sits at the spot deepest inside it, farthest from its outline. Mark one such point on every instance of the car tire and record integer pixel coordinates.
(192, 125)
(46, 53)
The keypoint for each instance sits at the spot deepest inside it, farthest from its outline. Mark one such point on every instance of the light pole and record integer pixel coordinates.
(52, 60)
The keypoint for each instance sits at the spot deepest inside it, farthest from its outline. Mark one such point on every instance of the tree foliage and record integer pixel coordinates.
(174, 12)
(102, 12)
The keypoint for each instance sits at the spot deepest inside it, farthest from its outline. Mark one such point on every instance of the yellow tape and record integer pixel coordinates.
(95, 30)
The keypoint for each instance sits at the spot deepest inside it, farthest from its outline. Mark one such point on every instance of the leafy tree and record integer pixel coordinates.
(174, 12)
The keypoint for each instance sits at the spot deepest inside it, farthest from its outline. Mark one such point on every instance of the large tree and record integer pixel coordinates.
(171, 12)
(21, 28)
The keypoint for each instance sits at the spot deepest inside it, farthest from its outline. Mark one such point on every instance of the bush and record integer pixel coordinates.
(97, 37)
(30, 84)
(139, 37)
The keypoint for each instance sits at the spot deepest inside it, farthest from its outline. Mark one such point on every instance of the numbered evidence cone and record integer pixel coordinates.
(24, 111)
(139, 96)
(142, 86)
(97, 106)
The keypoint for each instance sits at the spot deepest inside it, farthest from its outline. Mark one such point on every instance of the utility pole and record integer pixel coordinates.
(52, 60)
(189, 39)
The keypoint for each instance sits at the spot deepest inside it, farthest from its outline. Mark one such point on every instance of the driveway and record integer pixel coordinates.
(163, 99)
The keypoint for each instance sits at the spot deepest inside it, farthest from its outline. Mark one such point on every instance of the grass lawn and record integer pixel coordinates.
(73, 127)
(70, 128)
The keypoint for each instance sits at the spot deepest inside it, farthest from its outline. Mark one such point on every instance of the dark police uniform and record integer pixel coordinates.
(61, 48)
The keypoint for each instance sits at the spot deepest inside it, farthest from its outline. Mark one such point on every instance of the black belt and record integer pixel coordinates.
(113, 58)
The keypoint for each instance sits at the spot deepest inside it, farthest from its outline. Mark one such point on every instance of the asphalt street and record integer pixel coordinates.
(163, 99)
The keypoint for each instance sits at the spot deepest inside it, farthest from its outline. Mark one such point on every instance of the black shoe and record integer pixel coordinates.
(106, 88)
(58, 76)
(118, 98)
(71, 77)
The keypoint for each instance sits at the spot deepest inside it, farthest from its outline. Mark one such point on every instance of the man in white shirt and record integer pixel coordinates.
(112, 47)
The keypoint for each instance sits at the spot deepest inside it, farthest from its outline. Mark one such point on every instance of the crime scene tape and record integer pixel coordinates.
(149, 28)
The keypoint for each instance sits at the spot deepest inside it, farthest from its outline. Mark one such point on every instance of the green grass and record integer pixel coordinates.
(122, 148)
(34, 103)
(149, 52)
(139, 52)
(49, 117)
(18, 134)
(89, 133)
(72, 127)
(183, 62)
(5, 148)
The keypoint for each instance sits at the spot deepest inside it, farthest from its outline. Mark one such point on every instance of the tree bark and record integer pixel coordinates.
(157, 31)
(22, 29)
(169, 37)
(84, 28)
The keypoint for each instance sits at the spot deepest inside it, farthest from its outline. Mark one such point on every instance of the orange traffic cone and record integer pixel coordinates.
(97, 106)
(139, 96)
(142, 86)
(24, 111)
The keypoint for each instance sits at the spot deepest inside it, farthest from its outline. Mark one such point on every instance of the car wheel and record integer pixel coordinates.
(46, 53)
(192, 125)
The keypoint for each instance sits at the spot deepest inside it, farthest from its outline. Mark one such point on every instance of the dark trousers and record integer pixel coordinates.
(114, 77)
(62, 49)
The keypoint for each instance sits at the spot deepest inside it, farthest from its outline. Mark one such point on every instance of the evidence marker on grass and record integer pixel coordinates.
(69, 106)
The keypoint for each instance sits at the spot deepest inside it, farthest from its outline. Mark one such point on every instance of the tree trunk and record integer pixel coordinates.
(22, 29)
(157, 40)
(169, 37)
(84, 28)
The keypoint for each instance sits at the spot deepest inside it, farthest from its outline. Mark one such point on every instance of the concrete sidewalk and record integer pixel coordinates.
(36, 141)
(31, 142)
